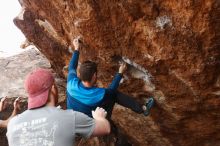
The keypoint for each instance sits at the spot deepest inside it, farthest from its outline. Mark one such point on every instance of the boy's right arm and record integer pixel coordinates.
(73, 65)
(74, 60)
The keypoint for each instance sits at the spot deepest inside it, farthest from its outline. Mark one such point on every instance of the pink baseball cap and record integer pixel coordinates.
(38, 84)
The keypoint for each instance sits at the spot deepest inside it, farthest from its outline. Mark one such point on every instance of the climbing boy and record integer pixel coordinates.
(84, 96)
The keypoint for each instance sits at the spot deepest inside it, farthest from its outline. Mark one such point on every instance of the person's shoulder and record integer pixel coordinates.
(76, 78)
(73, 81)
(72, 112)
(16, 118)
(99, 89)
(68, 112)
(13, 120)
(70, 116)
(75, 113)
(21, 115)
(54, 109)
(82, 118)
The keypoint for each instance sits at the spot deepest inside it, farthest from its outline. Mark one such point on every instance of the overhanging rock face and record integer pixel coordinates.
(172, 48)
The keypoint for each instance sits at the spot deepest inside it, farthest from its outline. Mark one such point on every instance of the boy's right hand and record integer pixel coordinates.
(77, 43)
(99, 113)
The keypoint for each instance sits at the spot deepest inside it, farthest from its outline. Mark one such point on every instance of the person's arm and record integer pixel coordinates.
(102, 126)
(4, 123)
(74, 60)
(96, 126)
(116, 81)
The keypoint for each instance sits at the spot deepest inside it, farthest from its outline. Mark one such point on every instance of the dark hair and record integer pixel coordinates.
(87, 70)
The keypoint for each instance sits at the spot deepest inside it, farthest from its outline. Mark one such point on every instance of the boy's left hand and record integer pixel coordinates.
(122, 68)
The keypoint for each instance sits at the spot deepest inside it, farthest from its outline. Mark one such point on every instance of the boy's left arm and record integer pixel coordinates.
(116, 81)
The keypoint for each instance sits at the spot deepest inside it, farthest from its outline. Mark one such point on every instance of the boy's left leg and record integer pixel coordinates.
(129, 102)
(112, 97)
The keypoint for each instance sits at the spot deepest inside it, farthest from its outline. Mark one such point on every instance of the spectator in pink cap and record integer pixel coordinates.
(45, 125)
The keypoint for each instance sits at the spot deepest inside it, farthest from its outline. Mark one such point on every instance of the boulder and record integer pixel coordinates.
(172, 48)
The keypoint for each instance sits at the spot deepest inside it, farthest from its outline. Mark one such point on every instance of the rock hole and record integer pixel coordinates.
(137, 71)
(163, 21)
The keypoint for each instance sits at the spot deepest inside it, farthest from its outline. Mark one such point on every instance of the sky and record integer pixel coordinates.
(10, 36)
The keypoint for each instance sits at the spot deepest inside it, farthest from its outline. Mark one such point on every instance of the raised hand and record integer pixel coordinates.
(77, 43)
(122, 68)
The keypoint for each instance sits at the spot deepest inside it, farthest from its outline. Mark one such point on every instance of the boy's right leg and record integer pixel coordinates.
(108, 102)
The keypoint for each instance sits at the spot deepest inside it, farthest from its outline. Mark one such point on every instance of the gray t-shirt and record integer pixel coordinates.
(48, 126)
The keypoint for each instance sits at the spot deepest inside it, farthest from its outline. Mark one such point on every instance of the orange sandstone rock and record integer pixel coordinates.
(172, 48)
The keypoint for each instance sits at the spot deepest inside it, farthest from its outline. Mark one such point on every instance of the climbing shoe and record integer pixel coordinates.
(149, 104)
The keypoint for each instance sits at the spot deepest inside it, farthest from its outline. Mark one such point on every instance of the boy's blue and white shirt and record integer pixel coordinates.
(81, 98)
